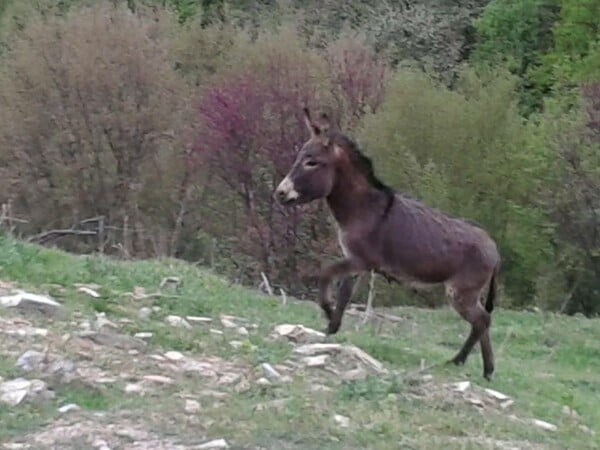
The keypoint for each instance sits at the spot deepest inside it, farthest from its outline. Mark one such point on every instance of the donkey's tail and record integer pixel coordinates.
(491, 296)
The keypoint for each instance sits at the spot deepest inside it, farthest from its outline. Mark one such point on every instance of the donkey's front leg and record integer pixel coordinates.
(343, 268)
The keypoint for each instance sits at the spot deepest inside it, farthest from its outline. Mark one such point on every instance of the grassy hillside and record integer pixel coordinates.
(548, 364)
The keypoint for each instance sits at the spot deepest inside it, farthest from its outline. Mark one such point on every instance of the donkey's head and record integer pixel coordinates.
(312, 175)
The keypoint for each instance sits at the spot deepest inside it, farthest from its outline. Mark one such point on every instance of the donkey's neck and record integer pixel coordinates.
(351, 202)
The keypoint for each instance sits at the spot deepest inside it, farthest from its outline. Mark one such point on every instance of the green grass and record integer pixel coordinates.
(544, 362)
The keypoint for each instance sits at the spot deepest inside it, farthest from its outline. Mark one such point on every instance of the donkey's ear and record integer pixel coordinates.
(313, 128)
(324, 122)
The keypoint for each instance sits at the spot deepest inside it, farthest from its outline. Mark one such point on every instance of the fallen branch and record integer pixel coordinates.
(266, 283)
(60, 232)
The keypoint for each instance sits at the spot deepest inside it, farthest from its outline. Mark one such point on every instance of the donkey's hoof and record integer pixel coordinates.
(457, 360)
(332, 328)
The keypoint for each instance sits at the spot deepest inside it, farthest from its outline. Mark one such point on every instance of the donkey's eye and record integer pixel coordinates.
(310, 164)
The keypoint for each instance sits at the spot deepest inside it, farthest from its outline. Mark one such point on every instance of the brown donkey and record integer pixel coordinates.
(398, 237)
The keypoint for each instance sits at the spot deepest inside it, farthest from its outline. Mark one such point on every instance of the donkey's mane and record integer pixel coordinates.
(360, 161)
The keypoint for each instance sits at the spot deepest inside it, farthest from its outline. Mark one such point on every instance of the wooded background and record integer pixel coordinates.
(160, 128)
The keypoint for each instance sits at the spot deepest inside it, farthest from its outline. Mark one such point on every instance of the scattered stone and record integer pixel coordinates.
(198, 320)
(14, 391)
(278, 404)
(68, 407)
(144, 313)
(134, 388)
(89, 291)
(427, 377)
(191, 406)
(170, 282)
(177, 321)
(311, 349)
(497, 395)
(214, 444)
(475, 401)
(270, 371)
(229, 378)
(214, 331)
(262, 381)
(363, 357)
(156, 309)
(586, 430)
(228, 323)
(236, 344)
(159, 358)
(354, 374)
(100, 444)
(342, 421)
(462, 386)
(31, 302)
(30, 360)
(315, 361)
(109, 339)
(506, 404)
(242, 331)
(139, 293)
(161, 379)
(174, 356)
(544, 425)
(102, 321)
(143, 335)
(569, 412)
(298, 333)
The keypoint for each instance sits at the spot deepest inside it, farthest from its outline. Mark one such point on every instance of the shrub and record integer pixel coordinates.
(93, 125)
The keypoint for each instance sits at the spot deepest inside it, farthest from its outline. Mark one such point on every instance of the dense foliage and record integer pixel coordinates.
(173, 120)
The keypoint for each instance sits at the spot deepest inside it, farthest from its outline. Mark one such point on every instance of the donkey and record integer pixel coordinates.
(389, 233)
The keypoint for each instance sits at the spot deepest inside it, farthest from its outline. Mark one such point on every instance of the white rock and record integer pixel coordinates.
(68, 407)
(88, 291)
(176, 321)
(228, 323)
(14, 391)
(134, 388)
(102, 321)
(315, 361)
(262, 381)
(144, 313)
(497, 395)
(298, 332)
(143, 335)
(462, 386)
(198, 319)
(27, 300)
(311, 349)
(544, 425)
(270, 371)
(242, 331)
(158, 379)
(30, 360)
(191, 406)
(342, 421)
(217, 332)
(214, 444)
(100, 444)
(507, 404)
(174, 356)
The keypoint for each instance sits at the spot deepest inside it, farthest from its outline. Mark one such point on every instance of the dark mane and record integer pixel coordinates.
(360, 161)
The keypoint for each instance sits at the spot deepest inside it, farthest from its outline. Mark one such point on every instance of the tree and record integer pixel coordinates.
(92, 105)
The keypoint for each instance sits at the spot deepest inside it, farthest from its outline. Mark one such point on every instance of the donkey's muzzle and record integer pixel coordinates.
(286, 193)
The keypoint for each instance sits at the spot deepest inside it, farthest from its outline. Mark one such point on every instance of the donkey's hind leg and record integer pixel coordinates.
(473, 312)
